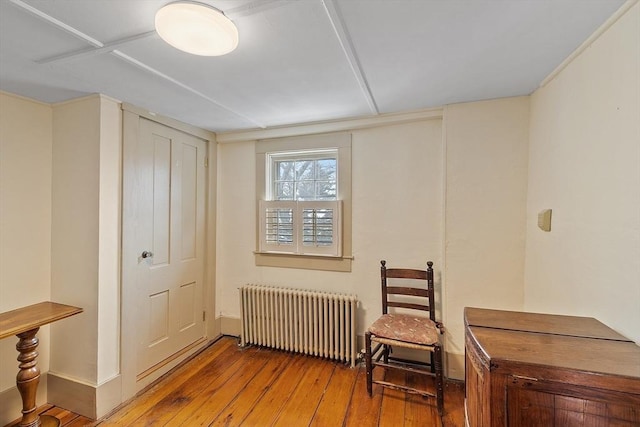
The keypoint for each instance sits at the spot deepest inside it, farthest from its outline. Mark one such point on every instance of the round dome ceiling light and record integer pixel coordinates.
(196, 28)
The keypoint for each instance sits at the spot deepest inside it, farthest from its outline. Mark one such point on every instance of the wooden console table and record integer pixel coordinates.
(528, 369)
(25, 323)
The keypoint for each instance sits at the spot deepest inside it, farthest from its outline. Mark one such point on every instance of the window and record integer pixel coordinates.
(310, 175)
(302, 212)
(304, 202)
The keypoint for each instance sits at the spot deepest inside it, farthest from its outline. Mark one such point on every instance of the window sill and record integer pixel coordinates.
(307, 262)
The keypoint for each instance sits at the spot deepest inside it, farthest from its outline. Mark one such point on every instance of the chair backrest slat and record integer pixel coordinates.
(408, 305)
(405, 273)
(401, 290)
(412, 291)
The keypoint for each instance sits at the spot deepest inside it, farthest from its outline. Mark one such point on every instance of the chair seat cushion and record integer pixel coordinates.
(403, 327)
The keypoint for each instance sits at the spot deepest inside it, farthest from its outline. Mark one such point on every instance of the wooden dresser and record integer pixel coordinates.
(528, 369)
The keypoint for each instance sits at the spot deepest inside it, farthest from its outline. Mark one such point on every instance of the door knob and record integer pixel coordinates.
(147, 254)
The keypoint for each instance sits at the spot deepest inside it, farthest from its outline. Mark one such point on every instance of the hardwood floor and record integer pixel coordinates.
(229, 386)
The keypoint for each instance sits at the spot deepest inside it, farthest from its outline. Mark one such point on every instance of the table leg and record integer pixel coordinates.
(27, 380)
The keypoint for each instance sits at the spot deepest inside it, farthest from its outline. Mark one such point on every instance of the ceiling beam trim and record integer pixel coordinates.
(238, 12)
(253, 8)
(347, 47)
(178, 83)
(61, 25)
(106, 48)
(110, 49)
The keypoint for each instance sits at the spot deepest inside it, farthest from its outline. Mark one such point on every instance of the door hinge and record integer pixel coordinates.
(204, 316)
(206, 162)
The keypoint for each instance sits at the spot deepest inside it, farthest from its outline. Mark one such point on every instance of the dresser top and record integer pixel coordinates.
(585, 327)
(507, 347)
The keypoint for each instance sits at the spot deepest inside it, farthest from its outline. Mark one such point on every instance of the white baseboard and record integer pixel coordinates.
(108, 396)
(11, 402)
(84, 399)
(216, 327)
(455, 365)
(72, 395)
(454, 362)
(230, 326)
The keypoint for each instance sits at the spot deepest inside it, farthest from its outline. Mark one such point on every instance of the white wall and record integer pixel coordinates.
(75, 220)
(397, 215)
(480, 220)
(486, 193)
(109, 243)
(585, 165)
(25, 229)
(85, 253)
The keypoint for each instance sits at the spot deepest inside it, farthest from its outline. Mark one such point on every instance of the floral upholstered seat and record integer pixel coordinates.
(406, 328)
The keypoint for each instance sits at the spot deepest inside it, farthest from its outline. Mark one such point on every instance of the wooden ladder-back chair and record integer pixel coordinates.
(400, 329)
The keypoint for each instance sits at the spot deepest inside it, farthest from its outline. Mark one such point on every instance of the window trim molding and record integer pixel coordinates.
(339, 140)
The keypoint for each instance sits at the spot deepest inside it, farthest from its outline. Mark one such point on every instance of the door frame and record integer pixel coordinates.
(131, 116)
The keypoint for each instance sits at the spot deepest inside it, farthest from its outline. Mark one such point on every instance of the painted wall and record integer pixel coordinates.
(404, 167)
(397, 215)
(109, 242)
(86, 244)
(76, 156)
(585, 165)
(486, 193)
(25, 229)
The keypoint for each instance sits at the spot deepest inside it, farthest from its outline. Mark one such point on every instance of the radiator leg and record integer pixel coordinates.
(369, 365)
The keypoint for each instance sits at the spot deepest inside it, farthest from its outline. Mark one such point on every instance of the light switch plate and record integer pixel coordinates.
(544, 220)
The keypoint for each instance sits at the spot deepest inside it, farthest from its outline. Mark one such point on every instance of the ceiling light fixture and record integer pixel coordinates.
(196, 28)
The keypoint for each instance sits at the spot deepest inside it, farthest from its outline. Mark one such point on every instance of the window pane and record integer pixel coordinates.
(305, 170)
(326, 169)
(325, 190)
(284, 190)
(305, 190)
(285, 170)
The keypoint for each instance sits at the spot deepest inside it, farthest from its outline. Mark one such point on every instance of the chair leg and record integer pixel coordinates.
(437, 355)
(368, 364)
(385, 353)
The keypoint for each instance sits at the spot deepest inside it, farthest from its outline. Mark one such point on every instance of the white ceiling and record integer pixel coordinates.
(298, 60)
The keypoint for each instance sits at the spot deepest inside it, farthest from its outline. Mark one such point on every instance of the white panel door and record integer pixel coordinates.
(170, 232)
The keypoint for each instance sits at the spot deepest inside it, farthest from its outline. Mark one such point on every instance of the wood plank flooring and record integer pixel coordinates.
(67, 418)
(229, 386)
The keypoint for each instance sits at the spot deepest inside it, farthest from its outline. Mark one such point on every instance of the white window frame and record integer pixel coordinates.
(339, 258)
(272, 158)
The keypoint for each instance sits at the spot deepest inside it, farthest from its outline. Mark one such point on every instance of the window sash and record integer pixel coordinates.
(291, 187)
(302, 227)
